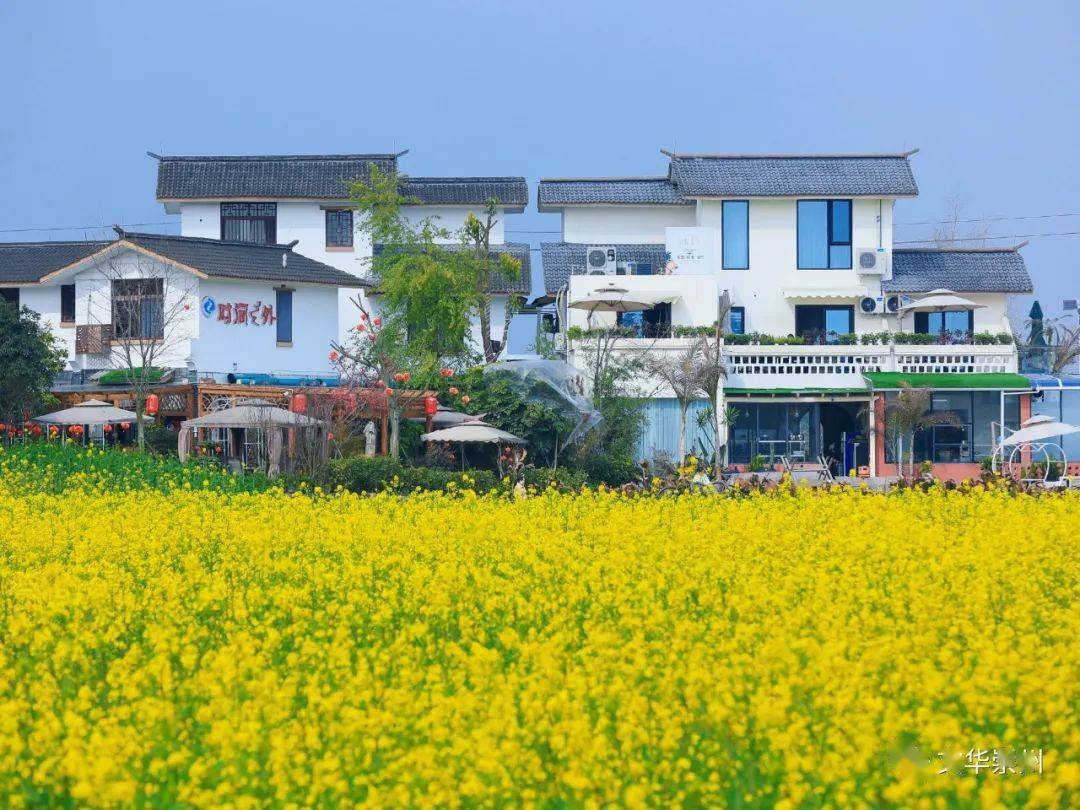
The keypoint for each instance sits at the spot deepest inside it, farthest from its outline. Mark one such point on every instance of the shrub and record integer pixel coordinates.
(562, 478)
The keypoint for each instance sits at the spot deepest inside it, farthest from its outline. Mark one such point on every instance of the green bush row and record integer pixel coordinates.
(378, 473)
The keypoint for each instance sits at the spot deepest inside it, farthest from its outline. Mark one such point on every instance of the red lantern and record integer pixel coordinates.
(333, 357)
(453, 391)
(153, 404)
(389, 391)
(125, 425)
(329, 437)
(299, 403)
(377, 321)
(107, 428)
(431, 406)
(465, 400)
(400, 377)
(36, 430)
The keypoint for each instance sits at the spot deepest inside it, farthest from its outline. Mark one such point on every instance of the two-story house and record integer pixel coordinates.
(305, 199)
(825, 319)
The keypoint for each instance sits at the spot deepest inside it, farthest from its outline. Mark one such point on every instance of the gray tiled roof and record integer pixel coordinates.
(243, 260)
(27, 262)
(562, 259)
(960, 270)
(265, 176)
(792, 176)
(512, 192)
(609, 191)
(324, 177)
(236, 260)
(519, 250)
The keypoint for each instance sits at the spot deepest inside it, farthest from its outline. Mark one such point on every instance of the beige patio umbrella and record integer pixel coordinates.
(472, 433)
(609, 299)
(266, 417)
(940, 300)
(91, 412)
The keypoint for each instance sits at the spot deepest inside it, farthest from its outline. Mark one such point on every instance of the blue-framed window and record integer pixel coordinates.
(824, 234)
(969, 439)
(737, 320)
(284, 315)
(736, 234)
(955, 323)
(823, 323)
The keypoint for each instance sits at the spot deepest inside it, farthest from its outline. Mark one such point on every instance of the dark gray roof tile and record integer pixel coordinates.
(554, 194)
(512, 192)
(971, 270)
(563, 259)
(27, 262)
(792, 176)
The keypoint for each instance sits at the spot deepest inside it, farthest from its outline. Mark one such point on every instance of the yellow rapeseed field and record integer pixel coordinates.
(212, 649)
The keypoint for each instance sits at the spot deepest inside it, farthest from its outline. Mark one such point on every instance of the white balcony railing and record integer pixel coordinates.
(813, 367)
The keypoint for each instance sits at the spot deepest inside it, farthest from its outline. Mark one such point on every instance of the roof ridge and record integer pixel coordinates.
(207, 239)
(992, 249)
(50, 242)
(408, 178)
(624, 179)
(786, 156)
(238, 158)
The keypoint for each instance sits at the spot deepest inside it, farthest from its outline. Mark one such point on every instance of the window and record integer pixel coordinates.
(970, 439)
(249, 222)
(772, 430)
(824, 234)
(957, 324)
(824, 324)
(736, 234)
(737, 320)
(649, 323)
(339, 228)
(67, 303)
(138, 309)
(10, 295)
(284, 316)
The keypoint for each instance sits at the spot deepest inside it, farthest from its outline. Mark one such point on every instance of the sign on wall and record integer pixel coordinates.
(692, 250)
(239, 313)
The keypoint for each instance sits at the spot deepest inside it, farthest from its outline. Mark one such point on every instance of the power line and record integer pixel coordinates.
(981, 238)
(985, 219)
(84, 227)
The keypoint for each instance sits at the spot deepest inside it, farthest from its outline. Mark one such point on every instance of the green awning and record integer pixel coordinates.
(884, 380)
(792, 392)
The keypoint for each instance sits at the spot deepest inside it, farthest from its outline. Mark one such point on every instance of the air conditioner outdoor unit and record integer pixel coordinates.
(600, 260)
(869, 305)
(893, 304)
(872, 261)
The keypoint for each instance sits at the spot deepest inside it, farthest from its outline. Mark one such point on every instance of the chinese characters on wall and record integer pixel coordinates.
(240, 313)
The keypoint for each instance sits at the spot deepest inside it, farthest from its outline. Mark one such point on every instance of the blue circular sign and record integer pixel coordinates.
(208, 306)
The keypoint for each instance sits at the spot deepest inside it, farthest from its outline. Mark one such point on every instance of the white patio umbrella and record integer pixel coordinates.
(447, 417)
(1038, 429)
(478, 432)
(609, 299)
(91, 412)
(940, 300)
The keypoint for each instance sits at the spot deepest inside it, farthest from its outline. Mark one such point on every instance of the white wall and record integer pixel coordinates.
(224, 348)
(45, 301)
(622, 223)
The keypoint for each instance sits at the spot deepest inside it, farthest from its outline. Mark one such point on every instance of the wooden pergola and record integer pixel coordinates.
(183, 401)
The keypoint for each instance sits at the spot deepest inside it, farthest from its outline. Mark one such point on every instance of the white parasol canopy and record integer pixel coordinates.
(1039, 429)
(940, 300)
(252, 416)
(610, 299)
(480, 432)
(91, 412)
(446, 417)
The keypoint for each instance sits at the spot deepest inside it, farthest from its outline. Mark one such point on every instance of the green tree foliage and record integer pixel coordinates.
(30, 356)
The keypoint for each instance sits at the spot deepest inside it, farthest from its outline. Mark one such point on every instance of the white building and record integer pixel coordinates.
(216, 308)
(802, 245)
(305, 198)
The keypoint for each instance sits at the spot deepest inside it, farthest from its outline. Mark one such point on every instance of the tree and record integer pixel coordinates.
(1064, 343)
(684, 373)
(955, 231)
(146, 308)
(30, 356)
(908, 414)
(490, 271)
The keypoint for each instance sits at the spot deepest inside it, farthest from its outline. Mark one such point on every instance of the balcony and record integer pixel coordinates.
(795, 366)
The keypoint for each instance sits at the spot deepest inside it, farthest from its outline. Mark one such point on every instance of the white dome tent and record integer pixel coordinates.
(1039, 436)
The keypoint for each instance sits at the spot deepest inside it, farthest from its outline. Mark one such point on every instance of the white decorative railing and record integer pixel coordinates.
(794, 366)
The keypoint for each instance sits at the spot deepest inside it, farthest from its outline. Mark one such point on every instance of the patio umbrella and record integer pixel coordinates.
(473, 432)
(1039, 429)
(91, 412)
(940, 301)
(1037, 337)
(609, 299)
(446, 417)
(253, 416)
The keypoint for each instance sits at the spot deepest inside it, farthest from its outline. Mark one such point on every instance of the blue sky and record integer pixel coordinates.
(988, 91)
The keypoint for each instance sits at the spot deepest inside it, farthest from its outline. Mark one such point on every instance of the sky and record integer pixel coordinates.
(988, 91)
